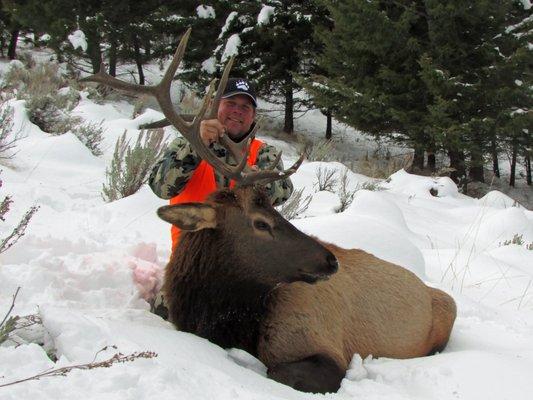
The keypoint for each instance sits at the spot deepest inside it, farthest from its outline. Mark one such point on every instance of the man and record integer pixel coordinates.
(182, 176)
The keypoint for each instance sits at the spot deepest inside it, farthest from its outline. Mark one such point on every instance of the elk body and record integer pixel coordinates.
(242, 276)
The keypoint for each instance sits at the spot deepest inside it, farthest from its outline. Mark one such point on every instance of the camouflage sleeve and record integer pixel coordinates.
(173, 171)
(278, 191)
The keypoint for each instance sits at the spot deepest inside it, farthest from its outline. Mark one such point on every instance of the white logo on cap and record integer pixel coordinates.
(242, 85)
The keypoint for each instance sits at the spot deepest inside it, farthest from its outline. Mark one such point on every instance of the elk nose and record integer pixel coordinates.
(333, 264)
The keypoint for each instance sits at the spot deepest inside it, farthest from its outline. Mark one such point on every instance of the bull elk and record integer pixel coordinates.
(242, 276)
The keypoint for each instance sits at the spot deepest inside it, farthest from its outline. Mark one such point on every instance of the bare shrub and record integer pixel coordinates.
(91, 135)
(8, 323)
(375, 166)
(48, 96)
(20, 229)
(8, 138)
(345, 194)
(295, 205)
(63, 371)
(321, 150)
(131, 166)
(326, 179)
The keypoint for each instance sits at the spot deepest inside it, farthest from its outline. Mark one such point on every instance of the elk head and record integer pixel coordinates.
(262, 245)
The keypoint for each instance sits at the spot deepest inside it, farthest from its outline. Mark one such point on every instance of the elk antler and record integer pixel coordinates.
(242, 175)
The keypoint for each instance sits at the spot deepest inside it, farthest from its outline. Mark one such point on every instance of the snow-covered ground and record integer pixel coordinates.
(87, 267)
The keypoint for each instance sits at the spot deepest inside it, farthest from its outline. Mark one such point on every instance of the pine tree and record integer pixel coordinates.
(431, 74)
(471, 70)
(371, 59)
(274, 42)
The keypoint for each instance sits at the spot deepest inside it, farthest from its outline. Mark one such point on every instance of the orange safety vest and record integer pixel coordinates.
(202, 184)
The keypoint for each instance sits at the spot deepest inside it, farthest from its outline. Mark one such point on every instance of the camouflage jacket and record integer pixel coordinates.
(170, 175)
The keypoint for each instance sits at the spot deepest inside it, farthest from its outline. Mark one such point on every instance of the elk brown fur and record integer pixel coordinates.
(305, 333)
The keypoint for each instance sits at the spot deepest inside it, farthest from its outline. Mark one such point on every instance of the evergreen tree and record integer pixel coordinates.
(434, 75)
(274, 42)
(459, 70)
(371, 59)
(512, 89)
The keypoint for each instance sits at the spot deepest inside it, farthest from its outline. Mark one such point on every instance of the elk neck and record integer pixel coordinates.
(213, 297)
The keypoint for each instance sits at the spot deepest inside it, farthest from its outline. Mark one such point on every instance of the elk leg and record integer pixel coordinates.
(317, 374)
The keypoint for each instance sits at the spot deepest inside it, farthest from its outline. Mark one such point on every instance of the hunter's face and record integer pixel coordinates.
(237, 114)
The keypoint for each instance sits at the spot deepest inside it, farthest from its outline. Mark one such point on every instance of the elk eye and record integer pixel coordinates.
(261, 225)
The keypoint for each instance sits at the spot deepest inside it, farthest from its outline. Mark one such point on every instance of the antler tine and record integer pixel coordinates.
(205, 104)
(220, 89)
(238, 149)
(267, 176)
(104, 78)
(162, 89)
(176, 60)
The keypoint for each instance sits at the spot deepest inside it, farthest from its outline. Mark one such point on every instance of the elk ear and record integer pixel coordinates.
(189, 216)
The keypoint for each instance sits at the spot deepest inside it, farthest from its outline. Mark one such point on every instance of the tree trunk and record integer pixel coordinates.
(12, 48)
(138, 58)
(329, 130)
(457, 162)
(418, 159)
(476, 169)
(495, 164)
(93, 48)
(476, 160)
(432, 159)
(288, 127)
(113, 56)
(514, 153)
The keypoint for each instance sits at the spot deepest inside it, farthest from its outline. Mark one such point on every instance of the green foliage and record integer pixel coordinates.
(519, 241)
(435, 75)
(131, 166)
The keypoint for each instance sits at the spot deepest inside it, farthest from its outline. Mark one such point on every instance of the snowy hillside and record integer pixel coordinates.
(87, 267)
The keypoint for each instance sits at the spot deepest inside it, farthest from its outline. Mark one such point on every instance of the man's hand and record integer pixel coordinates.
(211, 130)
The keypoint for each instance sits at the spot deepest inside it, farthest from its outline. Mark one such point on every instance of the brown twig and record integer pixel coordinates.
(63, 371)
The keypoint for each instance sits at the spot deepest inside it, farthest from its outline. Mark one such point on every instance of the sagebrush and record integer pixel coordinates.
(8, 138)
(49, 98)
(326, 179)
(295, 205)
(20, 229)
(131, 165)
(91, 135)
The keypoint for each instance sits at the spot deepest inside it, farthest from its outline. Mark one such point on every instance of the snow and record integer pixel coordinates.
(209, 65)
(232, 15)
(78, 40)
(526, 4)
(206, 12)
(232, 47)
(263, 18)
(87, 268)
